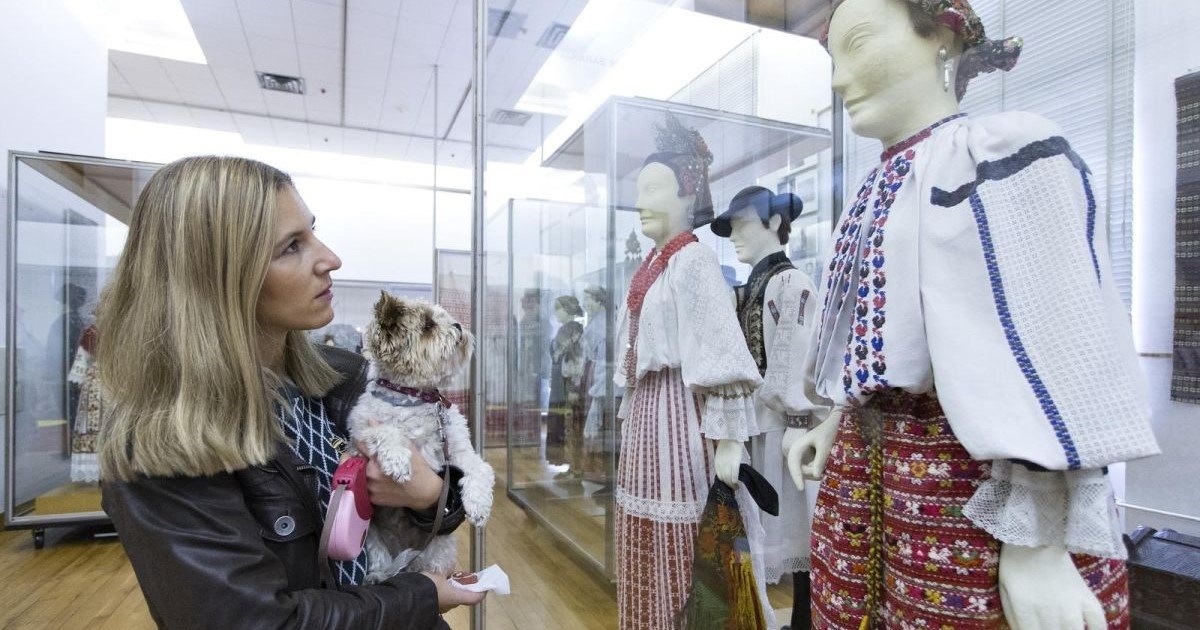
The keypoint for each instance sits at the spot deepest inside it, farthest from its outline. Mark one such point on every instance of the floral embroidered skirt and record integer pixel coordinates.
(663, 477)
(938, 569)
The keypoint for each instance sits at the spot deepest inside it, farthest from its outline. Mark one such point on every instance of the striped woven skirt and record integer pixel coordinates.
(934, 567)
(663, 476)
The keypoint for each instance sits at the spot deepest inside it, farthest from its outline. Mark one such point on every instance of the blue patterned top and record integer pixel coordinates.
(311, 436)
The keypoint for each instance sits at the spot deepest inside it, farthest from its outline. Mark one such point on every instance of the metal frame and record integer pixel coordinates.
(13, 520)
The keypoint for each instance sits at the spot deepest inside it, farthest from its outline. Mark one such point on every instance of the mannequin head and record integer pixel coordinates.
(595, 299)
(566, 309)
(890, 76)
(663, 212)
(758, 222)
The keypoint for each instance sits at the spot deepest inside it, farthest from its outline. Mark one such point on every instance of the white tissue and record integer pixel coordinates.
(492, 578)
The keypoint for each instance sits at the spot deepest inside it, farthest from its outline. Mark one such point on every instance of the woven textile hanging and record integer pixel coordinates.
(1185, 376)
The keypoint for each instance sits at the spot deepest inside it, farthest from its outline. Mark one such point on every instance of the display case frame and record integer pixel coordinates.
(596, 150)
(71, 173)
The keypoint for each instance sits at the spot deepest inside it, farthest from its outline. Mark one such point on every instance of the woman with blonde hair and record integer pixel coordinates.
(226, 423)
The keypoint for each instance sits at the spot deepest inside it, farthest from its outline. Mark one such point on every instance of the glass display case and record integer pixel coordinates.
(67, 220)
(565, 266)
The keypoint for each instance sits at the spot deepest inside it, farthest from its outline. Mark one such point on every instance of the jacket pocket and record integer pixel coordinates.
(281, 514)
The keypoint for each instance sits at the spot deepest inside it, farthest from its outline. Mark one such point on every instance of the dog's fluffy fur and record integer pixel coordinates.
(415, 344)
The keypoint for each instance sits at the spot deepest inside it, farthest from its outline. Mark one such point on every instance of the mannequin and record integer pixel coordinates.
(689, 382)
(564, 422)
(597, 375)
(776, 309)
(1009, 454)
(533, 362)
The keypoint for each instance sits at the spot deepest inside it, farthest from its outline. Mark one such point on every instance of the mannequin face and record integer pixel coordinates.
(889, 77)
(752, 241)
(663, 213)
(561, 314)
(590, 304)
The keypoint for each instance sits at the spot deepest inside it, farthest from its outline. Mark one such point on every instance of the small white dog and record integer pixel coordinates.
(414, 348)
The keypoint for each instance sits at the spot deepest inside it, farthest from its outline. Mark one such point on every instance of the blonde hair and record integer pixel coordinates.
(178, 353)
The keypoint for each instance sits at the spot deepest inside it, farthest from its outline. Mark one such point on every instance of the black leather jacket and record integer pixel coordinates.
(213, 552)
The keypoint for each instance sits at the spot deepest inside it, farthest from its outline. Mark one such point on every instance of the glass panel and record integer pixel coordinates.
(575, 93)
(70, 221)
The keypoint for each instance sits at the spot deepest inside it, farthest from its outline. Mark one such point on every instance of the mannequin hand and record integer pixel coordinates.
(1041, 589)
(790, 436)
(807, 454)
(728, 461)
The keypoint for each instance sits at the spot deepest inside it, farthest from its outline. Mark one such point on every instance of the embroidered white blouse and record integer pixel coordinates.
(973, 264)
(688, 323)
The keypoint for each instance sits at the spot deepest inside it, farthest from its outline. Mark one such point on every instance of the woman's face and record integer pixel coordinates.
(297, 292)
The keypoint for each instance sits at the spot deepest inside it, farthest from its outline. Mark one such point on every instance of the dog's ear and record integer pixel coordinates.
(388, 311)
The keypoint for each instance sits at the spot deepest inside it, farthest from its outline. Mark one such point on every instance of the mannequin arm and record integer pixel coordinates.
(728, 461)
(808, 452)
(1040, 589)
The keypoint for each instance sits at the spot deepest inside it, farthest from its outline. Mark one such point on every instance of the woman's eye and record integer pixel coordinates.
(292, 247)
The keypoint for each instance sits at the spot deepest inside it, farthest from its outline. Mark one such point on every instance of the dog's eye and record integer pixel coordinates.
(430, 325)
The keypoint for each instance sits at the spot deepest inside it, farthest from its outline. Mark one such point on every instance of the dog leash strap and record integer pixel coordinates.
(335, 501)
(445, 494)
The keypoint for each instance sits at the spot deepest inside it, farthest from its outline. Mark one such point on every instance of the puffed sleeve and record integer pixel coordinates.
(714, 360)
(1031, 347)
(783, 384)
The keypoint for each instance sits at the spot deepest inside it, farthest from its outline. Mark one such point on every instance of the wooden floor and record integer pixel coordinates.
(78, 581)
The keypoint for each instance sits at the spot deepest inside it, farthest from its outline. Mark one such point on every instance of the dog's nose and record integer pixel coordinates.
(458, 326)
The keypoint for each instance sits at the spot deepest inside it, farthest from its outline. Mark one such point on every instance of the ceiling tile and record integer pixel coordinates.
(437, 12)
(310, 12)
(387, 7)
(418, 43)
(326, 35)
(371, 25)
(255, 129)
(276, 56)
(325, 137)
(320, 60)
(273, 25)
(284, 105)
(267, 7)
(213, 119)
(359, 141)
(170, 114)
(392, 145)
(202, 98)
(128, 108)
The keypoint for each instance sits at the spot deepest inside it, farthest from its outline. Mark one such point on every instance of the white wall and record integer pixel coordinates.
(1167, 46)
(54, 78)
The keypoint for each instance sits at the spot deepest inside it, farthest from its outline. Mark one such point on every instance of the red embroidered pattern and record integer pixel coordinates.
(647, 273)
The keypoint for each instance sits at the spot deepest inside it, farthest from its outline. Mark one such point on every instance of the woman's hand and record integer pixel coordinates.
(420, 492)
(450, 596)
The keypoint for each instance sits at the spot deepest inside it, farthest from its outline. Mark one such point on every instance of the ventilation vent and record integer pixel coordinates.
(505, 23)
(509, 117)
(280, 83)
(553, 36)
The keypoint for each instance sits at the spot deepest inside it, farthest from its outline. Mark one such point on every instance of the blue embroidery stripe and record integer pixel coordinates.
(1014, 338)
(1001, 169)
(1091, 222)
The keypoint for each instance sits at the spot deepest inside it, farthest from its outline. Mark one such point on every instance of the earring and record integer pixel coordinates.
(947, 64)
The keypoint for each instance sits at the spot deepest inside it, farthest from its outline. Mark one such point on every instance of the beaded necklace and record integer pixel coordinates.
(645, 276)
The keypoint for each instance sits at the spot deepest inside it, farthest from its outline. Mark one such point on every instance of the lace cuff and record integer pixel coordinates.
(729, 413)
(1074, 509)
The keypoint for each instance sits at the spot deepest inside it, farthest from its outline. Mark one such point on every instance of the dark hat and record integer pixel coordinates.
(766, 203)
